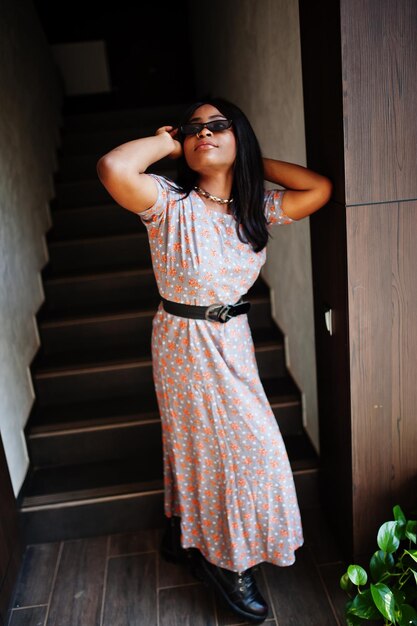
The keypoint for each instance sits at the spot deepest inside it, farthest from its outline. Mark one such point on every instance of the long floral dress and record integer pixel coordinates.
(226, 469)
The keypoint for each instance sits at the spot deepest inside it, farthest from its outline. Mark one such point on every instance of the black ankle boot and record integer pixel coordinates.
(171, 548)
(237, 589)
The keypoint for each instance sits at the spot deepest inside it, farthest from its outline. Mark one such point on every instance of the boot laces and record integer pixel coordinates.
(245, 580)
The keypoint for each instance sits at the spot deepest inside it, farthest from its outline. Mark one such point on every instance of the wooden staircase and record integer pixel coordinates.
(94, 433)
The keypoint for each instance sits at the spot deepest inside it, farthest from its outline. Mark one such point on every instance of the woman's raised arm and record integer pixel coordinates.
(121, 170)
(306, 191)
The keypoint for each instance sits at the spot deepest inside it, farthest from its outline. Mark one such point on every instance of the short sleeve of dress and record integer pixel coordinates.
(273, 207)
(157, 212)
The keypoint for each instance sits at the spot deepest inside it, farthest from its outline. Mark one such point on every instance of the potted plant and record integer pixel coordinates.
(389, 595)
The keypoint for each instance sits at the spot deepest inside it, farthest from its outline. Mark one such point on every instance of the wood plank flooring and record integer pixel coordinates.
(120, 580)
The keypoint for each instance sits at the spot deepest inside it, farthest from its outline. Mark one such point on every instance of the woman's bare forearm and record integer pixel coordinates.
(122, 170)
(306, 191)
(139, 154)
(291, 176)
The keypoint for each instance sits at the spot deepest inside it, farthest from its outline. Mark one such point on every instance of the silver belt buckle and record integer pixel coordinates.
(222, 313)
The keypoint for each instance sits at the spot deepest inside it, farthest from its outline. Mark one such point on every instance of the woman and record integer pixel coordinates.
(229, 490)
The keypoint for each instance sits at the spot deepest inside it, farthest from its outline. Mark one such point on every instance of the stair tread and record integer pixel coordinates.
(54, 484)
(60, 483)
(281, 390)
(92, 181)
(134, 352)
(135, 408)
(78, 168)
(98, 271)
(102, 272)
(103, 357)
(96, 205)
(301, 452)
(91, 108)
(48, 274)
(112, 411)
(114, 308)
(105, 238)
(84, 310)
(130, 127)
(57, 236)
(100, 311)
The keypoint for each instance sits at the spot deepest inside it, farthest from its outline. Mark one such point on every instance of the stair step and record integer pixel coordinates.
(80, 291)
(101, 141)
(121, 508)
(92, 253)
(80, 193)
(82, 309)
(113, 329)
(86, 291)
(122, 427)
(57, 419)
(87, 499)
(93, 221)
(78, 167)
(45, 365)
(88, 380)
(108, 372)
(112, 117)
(54, 484)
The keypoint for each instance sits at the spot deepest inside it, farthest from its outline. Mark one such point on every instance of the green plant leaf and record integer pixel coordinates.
(411, 531)
(345, 582)
(401, 522)
(363, 606)
(407, 616)
(398, 514)
(384, 600)
(380, 563)
(352, 620)
(412, 553)
(415, 574)
(357, 575)
(387, 538)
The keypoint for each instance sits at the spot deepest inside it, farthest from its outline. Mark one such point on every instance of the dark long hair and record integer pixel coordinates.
(248, 176)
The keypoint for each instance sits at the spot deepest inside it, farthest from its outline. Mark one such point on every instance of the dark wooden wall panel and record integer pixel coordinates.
(359, 61)
(379, 59)
(328, 243)
(382, 259)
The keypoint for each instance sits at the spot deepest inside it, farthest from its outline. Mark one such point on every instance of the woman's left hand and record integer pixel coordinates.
(177, 152)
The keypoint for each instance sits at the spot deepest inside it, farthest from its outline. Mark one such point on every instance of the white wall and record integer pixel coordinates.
(252, 57)
(83, 66)
(29, 120)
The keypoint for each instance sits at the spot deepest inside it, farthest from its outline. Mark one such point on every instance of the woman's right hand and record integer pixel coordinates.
(177, 151)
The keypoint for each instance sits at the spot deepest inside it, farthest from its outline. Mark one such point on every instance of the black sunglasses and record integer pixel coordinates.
(215, 126)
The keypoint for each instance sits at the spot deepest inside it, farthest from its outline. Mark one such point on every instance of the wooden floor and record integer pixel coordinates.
(120, 580)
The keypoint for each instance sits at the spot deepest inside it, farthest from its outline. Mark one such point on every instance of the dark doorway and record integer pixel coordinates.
(147, 45)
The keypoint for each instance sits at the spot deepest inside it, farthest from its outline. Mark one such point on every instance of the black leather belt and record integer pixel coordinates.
(214, 312)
